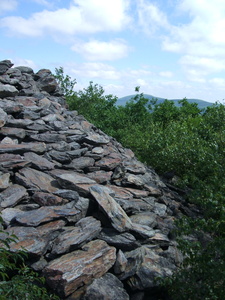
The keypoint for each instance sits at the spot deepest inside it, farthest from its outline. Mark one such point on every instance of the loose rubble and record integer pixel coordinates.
(96, 222)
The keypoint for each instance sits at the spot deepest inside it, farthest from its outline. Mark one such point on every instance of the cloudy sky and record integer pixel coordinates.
(170, 48)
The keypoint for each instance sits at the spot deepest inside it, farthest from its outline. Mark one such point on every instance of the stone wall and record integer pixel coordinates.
(96, 222)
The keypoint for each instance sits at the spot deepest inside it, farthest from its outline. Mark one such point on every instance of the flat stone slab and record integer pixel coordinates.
(12, 195)
(96, 139)
(117, 216)
(29, 239)
(39, 162)
(47, 214)
(71, 271)
(74, 237)
(36, 180)
(21, 148)
(76, 182)
(124, 241)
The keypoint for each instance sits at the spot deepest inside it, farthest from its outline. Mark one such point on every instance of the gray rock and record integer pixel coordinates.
(106, 286)
(4, 66)
(3, 117)
(12, 195)
(28, 239)
(7, 90)
(39, 162)
(81, 163)
(13, 132)
(4, 181)
(21, 148)
(24, 69)
(76, 182)
(8, 214)
(124, 241)
(47, 214)
(36, 180)
(117, 216)
(73, 238)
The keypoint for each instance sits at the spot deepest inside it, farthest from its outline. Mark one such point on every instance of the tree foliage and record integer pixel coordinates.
(191, 142)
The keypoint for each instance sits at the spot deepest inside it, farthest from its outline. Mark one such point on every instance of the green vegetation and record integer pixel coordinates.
(17, 281)
(189, 141)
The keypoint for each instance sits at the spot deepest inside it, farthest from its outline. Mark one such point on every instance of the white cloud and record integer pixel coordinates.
(218, 82)
(94, 70)
(199, 67)
(167, 74)
(7, 5)
(150, 17)
(24, 62)
(82, 17)
(98, 50)
(200, 39)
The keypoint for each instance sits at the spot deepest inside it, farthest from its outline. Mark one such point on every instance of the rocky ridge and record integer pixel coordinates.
(96, 222)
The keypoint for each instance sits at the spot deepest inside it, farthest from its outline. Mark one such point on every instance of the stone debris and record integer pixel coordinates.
(96, 222)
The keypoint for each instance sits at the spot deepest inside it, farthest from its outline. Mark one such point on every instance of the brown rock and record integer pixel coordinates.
(117, 216)
(47, 199)
(36, 180)
(69, 272)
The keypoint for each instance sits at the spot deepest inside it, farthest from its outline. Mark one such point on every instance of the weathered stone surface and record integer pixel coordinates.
(124, 241)
(144, 218)
(38, 162)
(36, 180)
(7, 90)
(47, 214)
(117, 216)
(3, 117)
(24, 69)
(28, 239)
(108, 163)
(13, 132)
(81, 163)
(47, 199)
(76, 269)
(142, 266)
(4, 66)
(100, 176)
(4, 181)
(12, 195)
(21, 148)
(96, 139)
(76, 182)
(106, 287)
(8, 214)
(48, 137)
(74, 237)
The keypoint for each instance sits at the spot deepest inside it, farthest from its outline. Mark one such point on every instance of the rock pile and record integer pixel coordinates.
(96, 222)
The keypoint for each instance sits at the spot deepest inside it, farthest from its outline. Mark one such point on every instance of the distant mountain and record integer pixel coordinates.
(201, 103)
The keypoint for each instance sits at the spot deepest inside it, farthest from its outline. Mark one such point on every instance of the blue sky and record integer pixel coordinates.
(170, 48)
